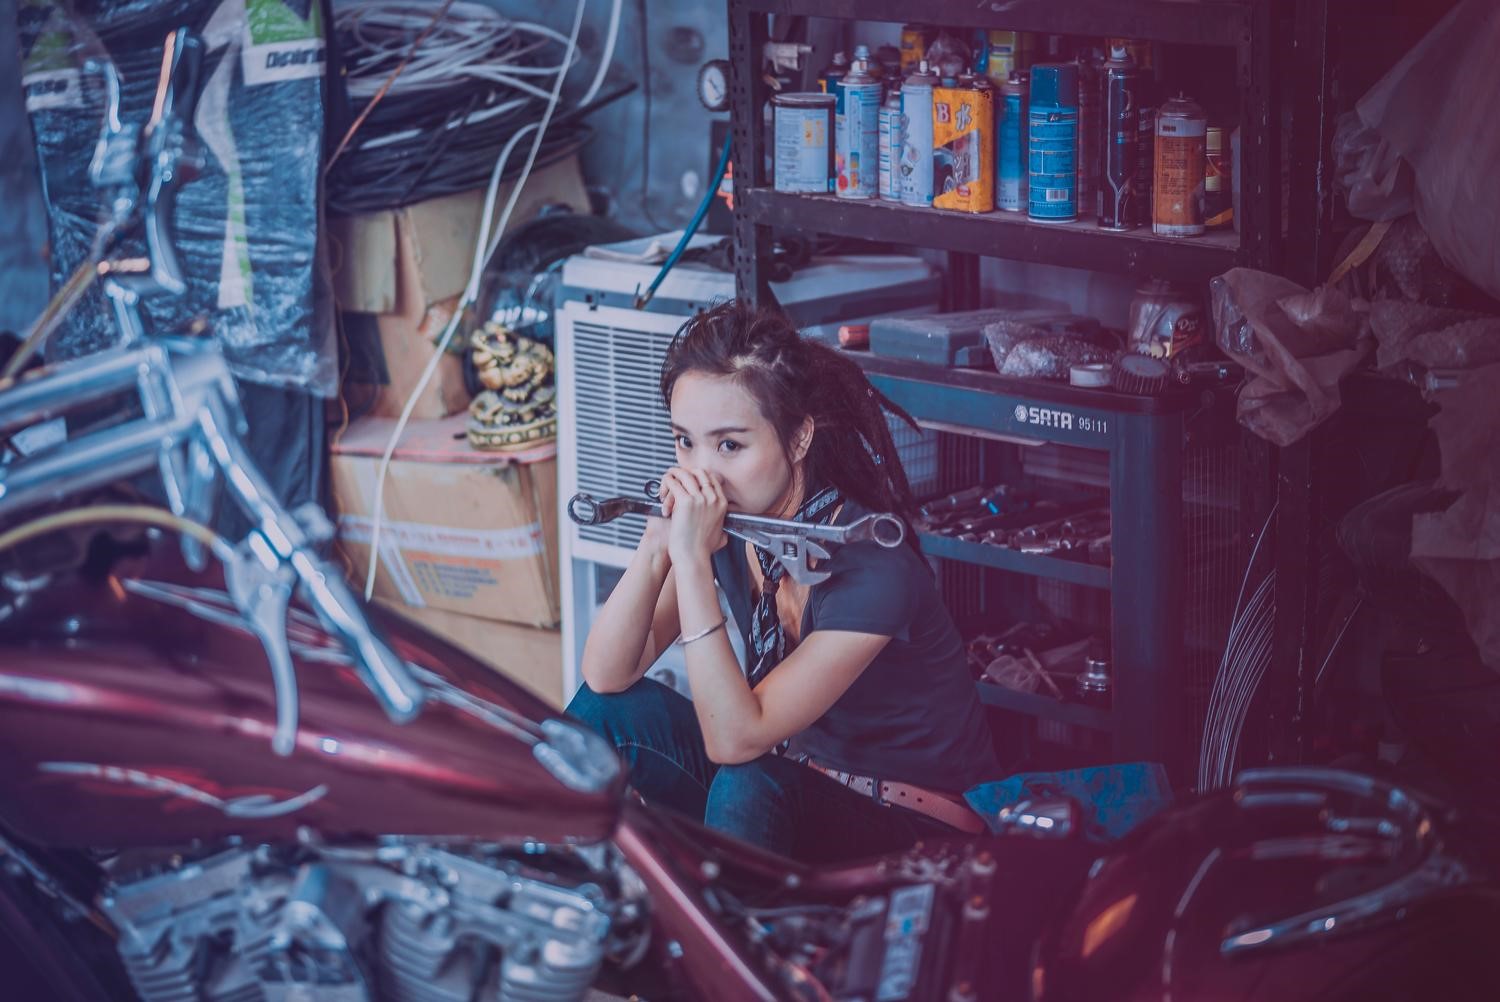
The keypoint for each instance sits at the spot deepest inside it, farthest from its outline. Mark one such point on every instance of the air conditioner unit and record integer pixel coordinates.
(613, 433)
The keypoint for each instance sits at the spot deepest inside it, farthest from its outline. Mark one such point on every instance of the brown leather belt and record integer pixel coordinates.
(944, 807)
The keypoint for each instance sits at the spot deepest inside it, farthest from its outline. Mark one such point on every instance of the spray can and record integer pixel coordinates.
(1053, 153)
(857, 130)
(1001, 62)
(963, 145)
(1089, 132)
(1141, 53)
(949, 69)
(1119, 201)
(1218, 181)
(1011, 181)
(890, 146)
(913, 46)
(832, 73)
(804, 142)
(1181, 135)
(916, 136)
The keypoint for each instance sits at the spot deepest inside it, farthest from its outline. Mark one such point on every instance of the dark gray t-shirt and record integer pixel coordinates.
(913, 715)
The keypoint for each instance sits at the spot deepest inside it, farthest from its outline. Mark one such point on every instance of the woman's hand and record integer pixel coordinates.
(654, 540)
(694, 506)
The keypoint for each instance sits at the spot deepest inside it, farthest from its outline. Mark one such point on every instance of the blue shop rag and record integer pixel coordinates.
(1114, 798)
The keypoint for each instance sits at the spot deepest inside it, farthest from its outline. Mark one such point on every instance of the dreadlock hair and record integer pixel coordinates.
(792, 378)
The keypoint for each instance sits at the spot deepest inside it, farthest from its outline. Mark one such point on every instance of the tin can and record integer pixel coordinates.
(916, 136)
(857, 131)
(1165, 321)
(1218, 181)
(913, 45)
(1089, 132)
(1181, 134)
(1001, 62)
(1011, 174)
(1052, 159)
(890, 146)
(804, 142)
(1119, 201)
(963, 146)
(831, 74)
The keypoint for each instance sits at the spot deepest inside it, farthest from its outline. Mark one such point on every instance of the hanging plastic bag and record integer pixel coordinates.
(1436, 109)
(1377, 183)
(1295, 346)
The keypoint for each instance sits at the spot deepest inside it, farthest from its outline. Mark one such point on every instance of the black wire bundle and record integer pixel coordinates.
(438, 130)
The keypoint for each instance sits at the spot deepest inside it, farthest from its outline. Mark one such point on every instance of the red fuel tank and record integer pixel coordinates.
(137, 710)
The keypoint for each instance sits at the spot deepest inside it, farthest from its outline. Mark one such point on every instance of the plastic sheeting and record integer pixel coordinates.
(1435, 112)
(1460, 547)
(246, 231)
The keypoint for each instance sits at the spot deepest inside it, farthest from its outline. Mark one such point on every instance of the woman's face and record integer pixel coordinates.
(718, 427)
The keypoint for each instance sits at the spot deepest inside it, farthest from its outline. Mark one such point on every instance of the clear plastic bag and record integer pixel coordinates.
(246, 231)
(1435, 109)
(1295, 346)
(1377, 183)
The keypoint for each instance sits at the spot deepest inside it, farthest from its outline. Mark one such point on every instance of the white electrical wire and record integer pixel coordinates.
(483, 249)
(609, 53)
(1237, 624)
(1255, 673)
(1358, 604)
(1256, 616)
(470, 41)
(1245, 672)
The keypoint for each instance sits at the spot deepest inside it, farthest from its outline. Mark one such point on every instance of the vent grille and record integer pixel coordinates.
(622, 430)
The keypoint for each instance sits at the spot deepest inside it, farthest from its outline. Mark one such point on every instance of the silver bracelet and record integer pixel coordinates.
(703, 633)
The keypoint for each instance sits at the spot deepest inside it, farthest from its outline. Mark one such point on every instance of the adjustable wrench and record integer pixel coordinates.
(794, 544)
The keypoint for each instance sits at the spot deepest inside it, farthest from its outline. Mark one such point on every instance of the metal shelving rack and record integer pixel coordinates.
(1243, 28)
(1144, 438)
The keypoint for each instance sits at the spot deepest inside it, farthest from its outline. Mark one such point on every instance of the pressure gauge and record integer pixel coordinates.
(713, 85)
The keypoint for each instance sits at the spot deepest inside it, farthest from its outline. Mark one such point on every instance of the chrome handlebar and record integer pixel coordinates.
(191, 424)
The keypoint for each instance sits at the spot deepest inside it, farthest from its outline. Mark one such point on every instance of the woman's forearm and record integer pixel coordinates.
(619, 635)
(728, 712)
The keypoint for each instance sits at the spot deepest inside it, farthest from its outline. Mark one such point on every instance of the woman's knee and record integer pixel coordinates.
(746, 788)
(753, 802)
(744, 778)
(612, 713)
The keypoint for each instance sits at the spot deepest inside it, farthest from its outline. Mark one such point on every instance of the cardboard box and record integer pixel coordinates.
(464, 531)
(406, 268)
(434, 241)
(530, 656)
(388, 356)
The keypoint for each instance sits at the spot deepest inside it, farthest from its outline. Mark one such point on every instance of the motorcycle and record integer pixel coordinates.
(203, 800)
(222, 778)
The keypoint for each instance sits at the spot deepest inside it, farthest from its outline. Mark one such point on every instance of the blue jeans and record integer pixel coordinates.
(773, 802)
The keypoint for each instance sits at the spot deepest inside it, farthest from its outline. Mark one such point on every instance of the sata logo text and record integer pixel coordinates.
(1044, 417)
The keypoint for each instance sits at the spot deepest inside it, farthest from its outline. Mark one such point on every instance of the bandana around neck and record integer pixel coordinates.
(767, 638)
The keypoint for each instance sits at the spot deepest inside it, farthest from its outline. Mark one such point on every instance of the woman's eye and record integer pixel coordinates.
(682, 443)
(729, 445)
